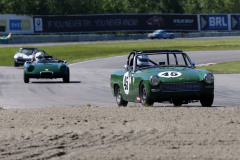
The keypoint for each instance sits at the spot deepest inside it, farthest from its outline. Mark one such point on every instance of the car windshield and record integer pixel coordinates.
(163, 60)
(26, 51)
(48, 61)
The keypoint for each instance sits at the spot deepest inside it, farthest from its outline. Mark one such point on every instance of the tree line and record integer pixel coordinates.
(69, 7)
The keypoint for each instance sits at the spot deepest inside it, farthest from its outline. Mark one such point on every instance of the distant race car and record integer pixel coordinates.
(23, 55)
(45, 66)
(160, 34)
(159, 76)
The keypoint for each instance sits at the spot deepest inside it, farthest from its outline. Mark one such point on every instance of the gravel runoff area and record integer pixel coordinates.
(133, 132)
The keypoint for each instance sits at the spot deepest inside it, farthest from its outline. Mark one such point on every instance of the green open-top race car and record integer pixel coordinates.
(44, 66)
(162, 75)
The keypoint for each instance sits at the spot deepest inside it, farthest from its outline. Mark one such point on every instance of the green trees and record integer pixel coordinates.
(213, 6)
(64, 7)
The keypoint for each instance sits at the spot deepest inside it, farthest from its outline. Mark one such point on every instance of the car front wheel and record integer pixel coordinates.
(119, 98)
(66, 77)
(16, 64)
(25, 78)
(207, 100)
(144, 97)
(177, 103)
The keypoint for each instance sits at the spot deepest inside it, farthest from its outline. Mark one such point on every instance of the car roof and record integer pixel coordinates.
(173, 51)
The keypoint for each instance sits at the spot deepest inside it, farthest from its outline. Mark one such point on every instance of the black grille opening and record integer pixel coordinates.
(178, 87)
(46, 74)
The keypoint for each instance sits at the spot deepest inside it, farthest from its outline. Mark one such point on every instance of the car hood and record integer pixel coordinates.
(46, 66)
(172, 74)
(22, 55)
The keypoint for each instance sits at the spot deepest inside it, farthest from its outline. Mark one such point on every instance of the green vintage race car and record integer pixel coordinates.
(159, 76)
(44, 66)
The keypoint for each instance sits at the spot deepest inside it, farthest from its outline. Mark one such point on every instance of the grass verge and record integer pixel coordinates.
(223, 68)
(80, 52)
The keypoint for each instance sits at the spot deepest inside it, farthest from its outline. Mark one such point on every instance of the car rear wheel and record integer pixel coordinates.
(66, 77)
(207, 100)
(144, 97)
(159, 37)
(119, 98)
(25, 78)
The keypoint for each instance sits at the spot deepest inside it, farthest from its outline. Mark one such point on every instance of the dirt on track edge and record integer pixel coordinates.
(91, 132)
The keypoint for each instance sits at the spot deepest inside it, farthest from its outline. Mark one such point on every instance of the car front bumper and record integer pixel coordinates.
(183, 91)
(21, 60)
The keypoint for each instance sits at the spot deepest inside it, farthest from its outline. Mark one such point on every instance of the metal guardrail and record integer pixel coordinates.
(5, 40)
(18, 39)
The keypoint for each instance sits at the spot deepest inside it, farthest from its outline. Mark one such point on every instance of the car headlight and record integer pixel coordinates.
(30, 68)
(63, 68)
(154, 80)
(209, 78)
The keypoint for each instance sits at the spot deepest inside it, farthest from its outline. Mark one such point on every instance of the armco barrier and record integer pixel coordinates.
(5, 40)
(73, 38)
(17, 39)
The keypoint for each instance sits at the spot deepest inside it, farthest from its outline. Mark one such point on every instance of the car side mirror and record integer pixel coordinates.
(194, 64)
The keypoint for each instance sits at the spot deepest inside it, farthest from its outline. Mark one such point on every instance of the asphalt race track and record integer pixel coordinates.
(89, 84)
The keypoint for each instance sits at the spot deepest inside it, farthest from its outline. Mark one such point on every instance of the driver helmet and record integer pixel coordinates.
(142, 60)
(38, 56)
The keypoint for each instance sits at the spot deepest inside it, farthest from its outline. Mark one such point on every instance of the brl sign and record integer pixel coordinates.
(214, 22)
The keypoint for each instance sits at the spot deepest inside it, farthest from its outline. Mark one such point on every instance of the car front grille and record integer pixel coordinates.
(46, 74)
(180, 87)
(23, 60)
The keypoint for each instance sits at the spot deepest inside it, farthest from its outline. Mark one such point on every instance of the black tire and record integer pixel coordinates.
(177, 103)
(160, 37)
(144, 97)
(119, 98)
(66, 78)
(16, 64)
(207, 100)
(25, 78)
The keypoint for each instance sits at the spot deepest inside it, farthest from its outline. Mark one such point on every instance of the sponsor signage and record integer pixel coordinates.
(122, 22)
(16, 24)
(235, 22)
(3, 25)
(23, 24)
(214, 22)
(84, 23)
(174, 22)
(2, 28)
(19, 25)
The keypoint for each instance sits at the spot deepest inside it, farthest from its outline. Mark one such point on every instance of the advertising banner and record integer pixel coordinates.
(235, 22)
(16, 24)
(214, 22)
(121, 22)
(3, 25)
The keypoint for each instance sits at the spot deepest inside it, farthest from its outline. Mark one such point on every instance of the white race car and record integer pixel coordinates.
(24, 54)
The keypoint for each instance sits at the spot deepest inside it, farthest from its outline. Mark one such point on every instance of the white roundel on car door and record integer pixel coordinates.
(169, 74)
(126, 82)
